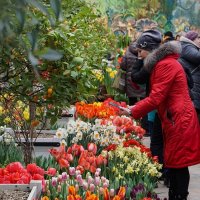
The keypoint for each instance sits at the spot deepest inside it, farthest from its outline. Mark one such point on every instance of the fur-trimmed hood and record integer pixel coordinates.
(184, 39)
(169, 48)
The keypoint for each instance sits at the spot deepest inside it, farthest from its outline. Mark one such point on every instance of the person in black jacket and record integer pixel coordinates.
(190, 59)
(129, 61)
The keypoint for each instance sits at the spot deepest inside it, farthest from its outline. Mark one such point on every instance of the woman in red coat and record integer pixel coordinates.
(170, 96)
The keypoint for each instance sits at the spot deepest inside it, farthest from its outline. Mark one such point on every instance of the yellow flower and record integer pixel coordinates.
(1, 110)
(108, 69)
(112, 74)
(7, 120)
(26, 115)
(126, 159)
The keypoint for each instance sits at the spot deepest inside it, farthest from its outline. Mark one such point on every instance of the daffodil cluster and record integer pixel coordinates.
(79, 132)
(130, 162)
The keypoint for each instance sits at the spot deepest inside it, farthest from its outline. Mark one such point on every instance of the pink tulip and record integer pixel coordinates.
(97, 180)
(72, 171)
(85, 185)
(79, 178)
(60, 178)
(90, 180)
(77, 187)
(54, 181)
(92, 187)
(65, 176)
(101, 190)
(112, 192)
(105, 185)
(92, 148)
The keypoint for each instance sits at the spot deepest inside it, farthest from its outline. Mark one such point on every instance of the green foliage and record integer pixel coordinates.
(45, 162)
(10, 153)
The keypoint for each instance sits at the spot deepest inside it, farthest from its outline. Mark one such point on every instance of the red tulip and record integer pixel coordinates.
(63, 163)
(51, 171)
(14, 167)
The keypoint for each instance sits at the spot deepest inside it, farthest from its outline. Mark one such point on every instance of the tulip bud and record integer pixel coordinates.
(97, 180)
(85, 185)
(112, 192)
(54, 181)
(76, 187)
(101, 190)
(92, 187)
(60, 178)
(79, 178)
(72, 171)
(105, 185)
(90, 180)
(64, 176)
(59, 188)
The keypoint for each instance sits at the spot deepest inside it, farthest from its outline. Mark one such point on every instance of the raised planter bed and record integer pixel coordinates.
(34, 189)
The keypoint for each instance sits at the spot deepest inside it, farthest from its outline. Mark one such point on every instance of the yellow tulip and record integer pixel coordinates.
(7, 120)
(26, 115)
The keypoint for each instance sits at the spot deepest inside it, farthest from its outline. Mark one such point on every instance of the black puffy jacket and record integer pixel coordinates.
(130, 61)
(190, 59)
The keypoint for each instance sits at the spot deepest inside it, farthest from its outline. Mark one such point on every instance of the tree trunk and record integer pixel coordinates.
(28, 153)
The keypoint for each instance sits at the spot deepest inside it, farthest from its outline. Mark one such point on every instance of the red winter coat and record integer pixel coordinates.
(169, 95)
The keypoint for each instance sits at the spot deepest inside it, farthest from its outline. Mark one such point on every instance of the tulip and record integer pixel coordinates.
(60, 178)
(90, 180)
(97, 180)
(79, 178)
(98, 170)
(76, 187)
(92, 148)
(97, 174)
(112, 192)
(77, 172)
(63, 163)
(72, 190)
(72, 171)
(54, 181)
(92, 187)
(85, 185)
(105, 185)
(65, 176)
(59, 188)
(101, 190)
(51, 171)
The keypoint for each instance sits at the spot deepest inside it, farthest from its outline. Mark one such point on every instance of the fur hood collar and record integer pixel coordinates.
(184, 39)
(169, 48)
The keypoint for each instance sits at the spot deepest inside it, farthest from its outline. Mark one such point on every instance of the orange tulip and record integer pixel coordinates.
(70, 197)
(116, 197)
(122, 192)
(106, 194)
(92, 197)
(72, 190)
(45, 198)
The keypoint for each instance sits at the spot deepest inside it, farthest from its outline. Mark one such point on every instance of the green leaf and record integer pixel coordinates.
(51, 55)
(53, 120)
(42, 8)
(33, 37)
(77, 60)
(56, 6)
(20, 14)
(74, 74)
(34, 61)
